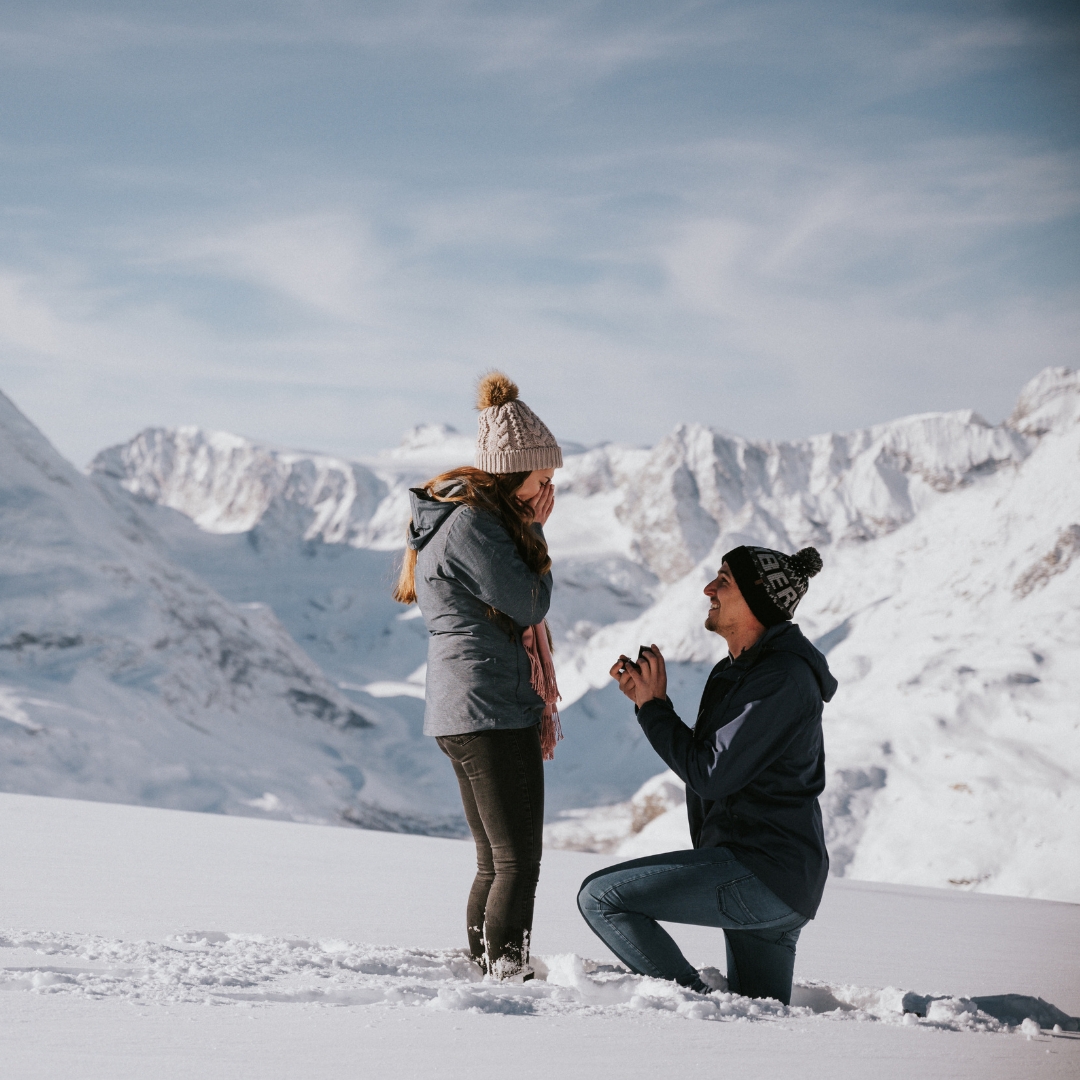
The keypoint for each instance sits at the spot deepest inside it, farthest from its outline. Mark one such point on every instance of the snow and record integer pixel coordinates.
(949, 607)
(212, 967)
(141, 940)
(651, 821)
(227, 484)
(125, 677)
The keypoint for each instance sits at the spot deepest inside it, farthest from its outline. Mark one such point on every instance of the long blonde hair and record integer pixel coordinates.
(493, 492)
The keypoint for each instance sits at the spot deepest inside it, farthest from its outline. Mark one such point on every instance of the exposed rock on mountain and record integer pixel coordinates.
(226, 484)
(698, 485)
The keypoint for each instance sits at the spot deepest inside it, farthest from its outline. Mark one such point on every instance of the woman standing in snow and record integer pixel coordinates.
(477, 564)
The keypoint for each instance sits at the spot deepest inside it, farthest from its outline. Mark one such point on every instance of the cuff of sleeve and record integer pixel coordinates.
(652, 705)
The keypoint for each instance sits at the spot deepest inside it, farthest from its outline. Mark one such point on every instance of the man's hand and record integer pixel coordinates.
(542, 503)
(623, 671)
(644, 681)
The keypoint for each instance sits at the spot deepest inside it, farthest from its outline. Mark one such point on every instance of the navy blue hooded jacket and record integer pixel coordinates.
(754, 763)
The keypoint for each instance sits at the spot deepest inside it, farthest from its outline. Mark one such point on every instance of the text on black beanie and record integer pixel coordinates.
(771, 582)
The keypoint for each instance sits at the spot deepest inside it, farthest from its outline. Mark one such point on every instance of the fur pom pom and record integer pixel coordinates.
(806, 562)
(495, 389)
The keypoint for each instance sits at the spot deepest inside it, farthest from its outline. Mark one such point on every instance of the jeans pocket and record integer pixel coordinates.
(731, 904)
(451, 744)
(462, 740)
(747, 902)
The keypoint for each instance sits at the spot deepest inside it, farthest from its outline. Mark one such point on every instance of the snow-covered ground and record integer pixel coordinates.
(140, 942)
(205, 623)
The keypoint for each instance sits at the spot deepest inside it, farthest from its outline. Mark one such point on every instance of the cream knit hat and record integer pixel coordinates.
(512, 438)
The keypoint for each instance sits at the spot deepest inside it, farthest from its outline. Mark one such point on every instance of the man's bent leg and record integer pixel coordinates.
(705, 887)
(760, 963)
(644, 946)
(761, 932)
(623, 903)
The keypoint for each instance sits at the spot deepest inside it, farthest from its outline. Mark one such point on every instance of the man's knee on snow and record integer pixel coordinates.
(590, 895)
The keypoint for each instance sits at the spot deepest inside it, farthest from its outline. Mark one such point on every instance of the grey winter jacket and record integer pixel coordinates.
(478, 674)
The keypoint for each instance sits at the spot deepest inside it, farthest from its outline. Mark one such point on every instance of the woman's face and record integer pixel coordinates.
(534, 482)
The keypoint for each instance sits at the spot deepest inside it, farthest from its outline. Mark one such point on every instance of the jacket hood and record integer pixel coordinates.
(787, 637)
(428, 516)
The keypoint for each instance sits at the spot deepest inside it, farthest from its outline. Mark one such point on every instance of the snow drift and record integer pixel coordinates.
(223, 969)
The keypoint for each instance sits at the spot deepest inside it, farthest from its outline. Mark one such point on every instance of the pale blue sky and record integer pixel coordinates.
(315, 223)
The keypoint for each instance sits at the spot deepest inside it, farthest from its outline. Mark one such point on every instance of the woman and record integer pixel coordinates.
(477, 565)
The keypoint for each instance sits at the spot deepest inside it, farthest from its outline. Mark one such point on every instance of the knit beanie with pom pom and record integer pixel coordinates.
(512, 438)
(771, 582)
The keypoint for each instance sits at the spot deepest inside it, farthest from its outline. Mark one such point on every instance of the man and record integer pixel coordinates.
(754, 765)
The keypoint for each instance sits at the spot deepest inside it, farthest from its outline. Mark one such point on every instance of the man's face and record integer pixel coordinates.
(727, 608)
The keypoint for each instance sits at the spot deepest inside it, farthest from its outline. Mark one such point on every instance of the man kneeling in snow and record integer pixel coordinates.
(754, 765)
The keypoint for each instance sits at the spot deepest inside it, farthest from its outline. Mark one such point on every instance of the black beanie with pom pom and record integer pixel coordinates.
(771, 582)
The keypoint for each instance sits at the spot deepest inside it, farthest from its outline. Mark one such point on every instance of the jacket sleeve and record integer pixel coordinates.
(481, 555)
(758, 724)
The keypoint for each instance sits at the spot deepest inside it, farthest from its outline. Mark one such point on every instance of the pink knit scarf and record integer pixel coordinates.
(538, 646)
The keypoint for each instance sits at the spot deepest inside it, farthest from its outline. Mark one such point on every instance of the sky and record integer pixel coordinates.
(317, 223)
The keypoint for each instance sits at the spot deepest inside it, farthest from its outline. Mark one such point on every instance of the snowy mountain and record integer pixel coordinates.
(125, 677)
(227, 484)
(950, 611)
(297, 532)
(948, 608)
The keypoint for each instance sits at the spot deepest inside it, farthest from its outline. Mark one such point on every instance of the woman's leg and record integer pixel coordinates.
(508, 784)
(705, 887)
(485, 867)
(505, 778)
(500, 774)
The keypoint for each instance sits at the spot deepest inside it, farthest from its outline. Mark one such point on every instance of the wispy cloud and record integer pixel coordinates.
(325, 261)
(315, 224)
(579, 37)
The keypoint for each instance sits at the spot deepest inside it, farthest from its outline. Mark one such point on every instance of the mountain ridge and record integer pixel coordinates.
(950, 547)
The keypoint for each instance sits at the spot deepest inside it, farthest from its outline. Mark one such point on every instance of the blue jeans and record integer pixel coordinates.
(703, 887)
